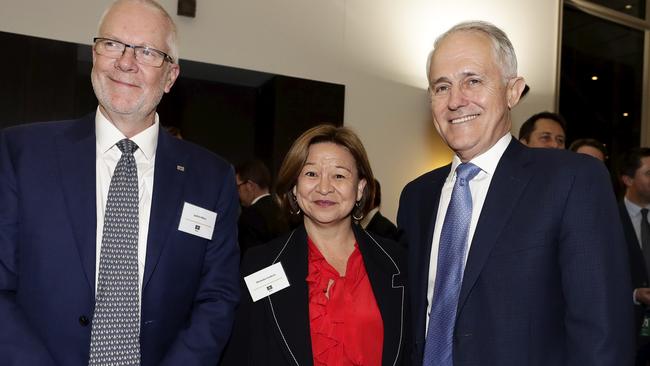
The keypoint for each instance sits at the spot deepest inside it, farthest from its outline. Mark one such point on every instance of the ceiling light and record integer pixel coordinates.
(594, 77)
(625, 114)
(628, 6)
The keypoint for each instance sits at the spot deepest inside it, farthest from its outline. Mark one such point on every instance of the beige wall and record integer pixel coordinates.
(377, 48)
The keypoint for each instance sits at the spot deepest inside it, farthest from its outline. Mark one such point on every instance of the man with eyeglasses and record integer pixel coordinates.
(118, 242)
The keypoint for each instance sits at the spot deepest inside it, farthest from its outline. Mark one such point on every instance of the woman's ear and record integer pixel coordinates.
(360, 187)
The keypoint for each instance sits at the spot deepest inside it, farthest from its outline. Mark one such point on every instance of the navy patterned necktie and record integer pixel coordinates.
(449, 272)
(115, 331)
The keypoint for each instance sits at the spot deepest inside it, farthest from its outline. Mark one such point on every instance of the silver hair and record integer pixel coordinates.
(172, 39)
(500, 44)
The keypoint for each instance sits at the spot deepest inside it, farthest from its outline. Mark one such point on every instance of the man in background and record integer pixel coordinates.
(261, 218)
(118, 242)
(544, 129)
(634, 173)
(377, 223)
(516, 255)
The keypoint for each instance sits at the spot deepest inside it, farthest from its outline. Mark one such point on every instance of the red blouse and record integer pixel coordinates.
(347, 328)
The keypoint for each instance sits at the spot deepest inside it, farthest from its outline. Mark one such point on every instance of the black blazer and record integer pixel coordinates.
(380, 225)
(637, 263)
(260, 223)
(275, 330)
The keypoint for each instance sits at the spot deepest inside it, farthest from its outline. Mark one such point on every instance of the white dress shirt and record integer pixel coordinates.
(107, 155)
(478, 186)
(635, 216)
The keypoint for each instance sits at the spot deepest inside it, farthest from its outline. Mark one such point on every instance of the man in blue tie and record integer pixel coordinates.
(516, 255)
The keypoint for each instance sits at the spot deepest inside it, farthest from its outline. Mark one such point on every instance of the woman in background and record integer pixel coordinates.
(346, 300)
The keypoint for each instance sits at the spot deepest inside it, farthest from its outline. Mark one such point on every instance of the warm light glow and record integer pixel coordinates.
(625, 114)
(594, 77)
(628, 6)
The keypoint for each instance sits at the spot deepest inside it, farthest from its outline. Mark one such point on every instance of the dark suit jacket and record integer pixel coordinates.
(546, 279)
(48, 245)
(261, 223)
(636, 261)
(381, 226)
(275, 330)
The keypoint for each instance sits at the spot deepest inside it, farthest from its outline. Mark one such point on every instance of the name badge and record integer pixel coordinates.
(197, 221)
(266, 281)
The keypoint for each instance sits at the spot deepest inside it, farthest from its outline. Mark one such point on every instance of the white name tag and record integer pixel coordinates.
(197, 221)
(266, 281)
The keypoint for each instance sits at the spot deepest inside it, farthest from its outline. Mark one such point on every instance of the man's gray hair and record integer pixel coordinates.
(501, 45)
(172, 39)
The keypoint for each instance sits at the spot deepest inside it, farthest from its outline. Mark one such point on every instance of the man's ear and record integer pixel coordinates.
(514, 89)
(627, 180)
(172, 75)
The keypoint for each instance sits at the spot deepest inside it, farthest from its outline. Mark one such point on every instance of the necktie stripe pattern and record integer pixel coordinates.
(449, 273)
(116, 325)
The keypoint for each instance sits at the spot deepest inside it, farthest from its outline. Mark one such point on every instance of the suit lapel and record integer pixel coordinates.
(289, 308)
(428, 209)
(166, 202)
(75, 149)
(507, 185)
(387, 281)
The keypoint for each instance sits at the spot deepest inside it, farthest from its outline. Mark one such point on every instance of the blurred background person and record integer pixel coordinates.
(634, 173)
(544, 129)
(346, 301)
(590, 147)
(261, 218)
(377, 223)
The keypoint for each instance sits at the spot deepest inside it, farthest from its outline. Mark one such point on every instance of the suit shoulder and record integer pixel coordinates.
(555, 161)
(261, 256)
(37, 130)
(426, 180)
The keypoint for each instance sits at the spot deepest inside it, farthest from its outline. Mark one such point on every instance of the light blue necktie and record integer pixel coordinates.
(449, 272)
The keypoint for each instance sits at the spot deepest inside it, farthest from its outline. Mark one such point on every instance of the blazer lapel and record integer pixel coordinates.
(387, 281)
(508, 183)
(75, 149)
(166, 202)
(289, 308)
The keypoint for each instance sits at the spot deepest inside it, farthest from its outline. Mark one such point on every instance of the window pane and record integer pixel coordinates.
(608, 108)
(635, 8)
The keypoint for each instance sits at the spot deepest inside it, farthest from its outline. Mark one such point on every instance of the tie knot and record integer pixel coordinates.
(644, 213)
(466, 172)
(127, 146)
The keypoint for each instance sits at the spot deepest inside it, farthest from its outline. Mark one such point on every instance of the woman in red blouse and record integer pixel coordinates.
(345, 304)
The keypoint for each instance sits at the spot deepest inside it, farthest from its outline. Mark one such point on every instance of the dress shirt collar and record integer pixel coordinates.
(632, 208)
(107, 135)
(487, 161)
(259, 198)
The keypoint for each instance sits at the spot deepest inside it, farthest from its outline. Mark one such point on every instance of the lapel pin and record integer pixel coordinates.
(180, 168)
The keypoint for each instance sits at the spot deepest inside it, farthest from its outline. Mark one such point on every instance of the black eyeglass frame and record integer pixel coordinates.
(166, 57)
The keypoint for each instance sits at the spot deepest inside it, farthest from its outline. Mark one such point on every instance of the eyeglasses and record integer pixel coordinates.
(143, 55)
